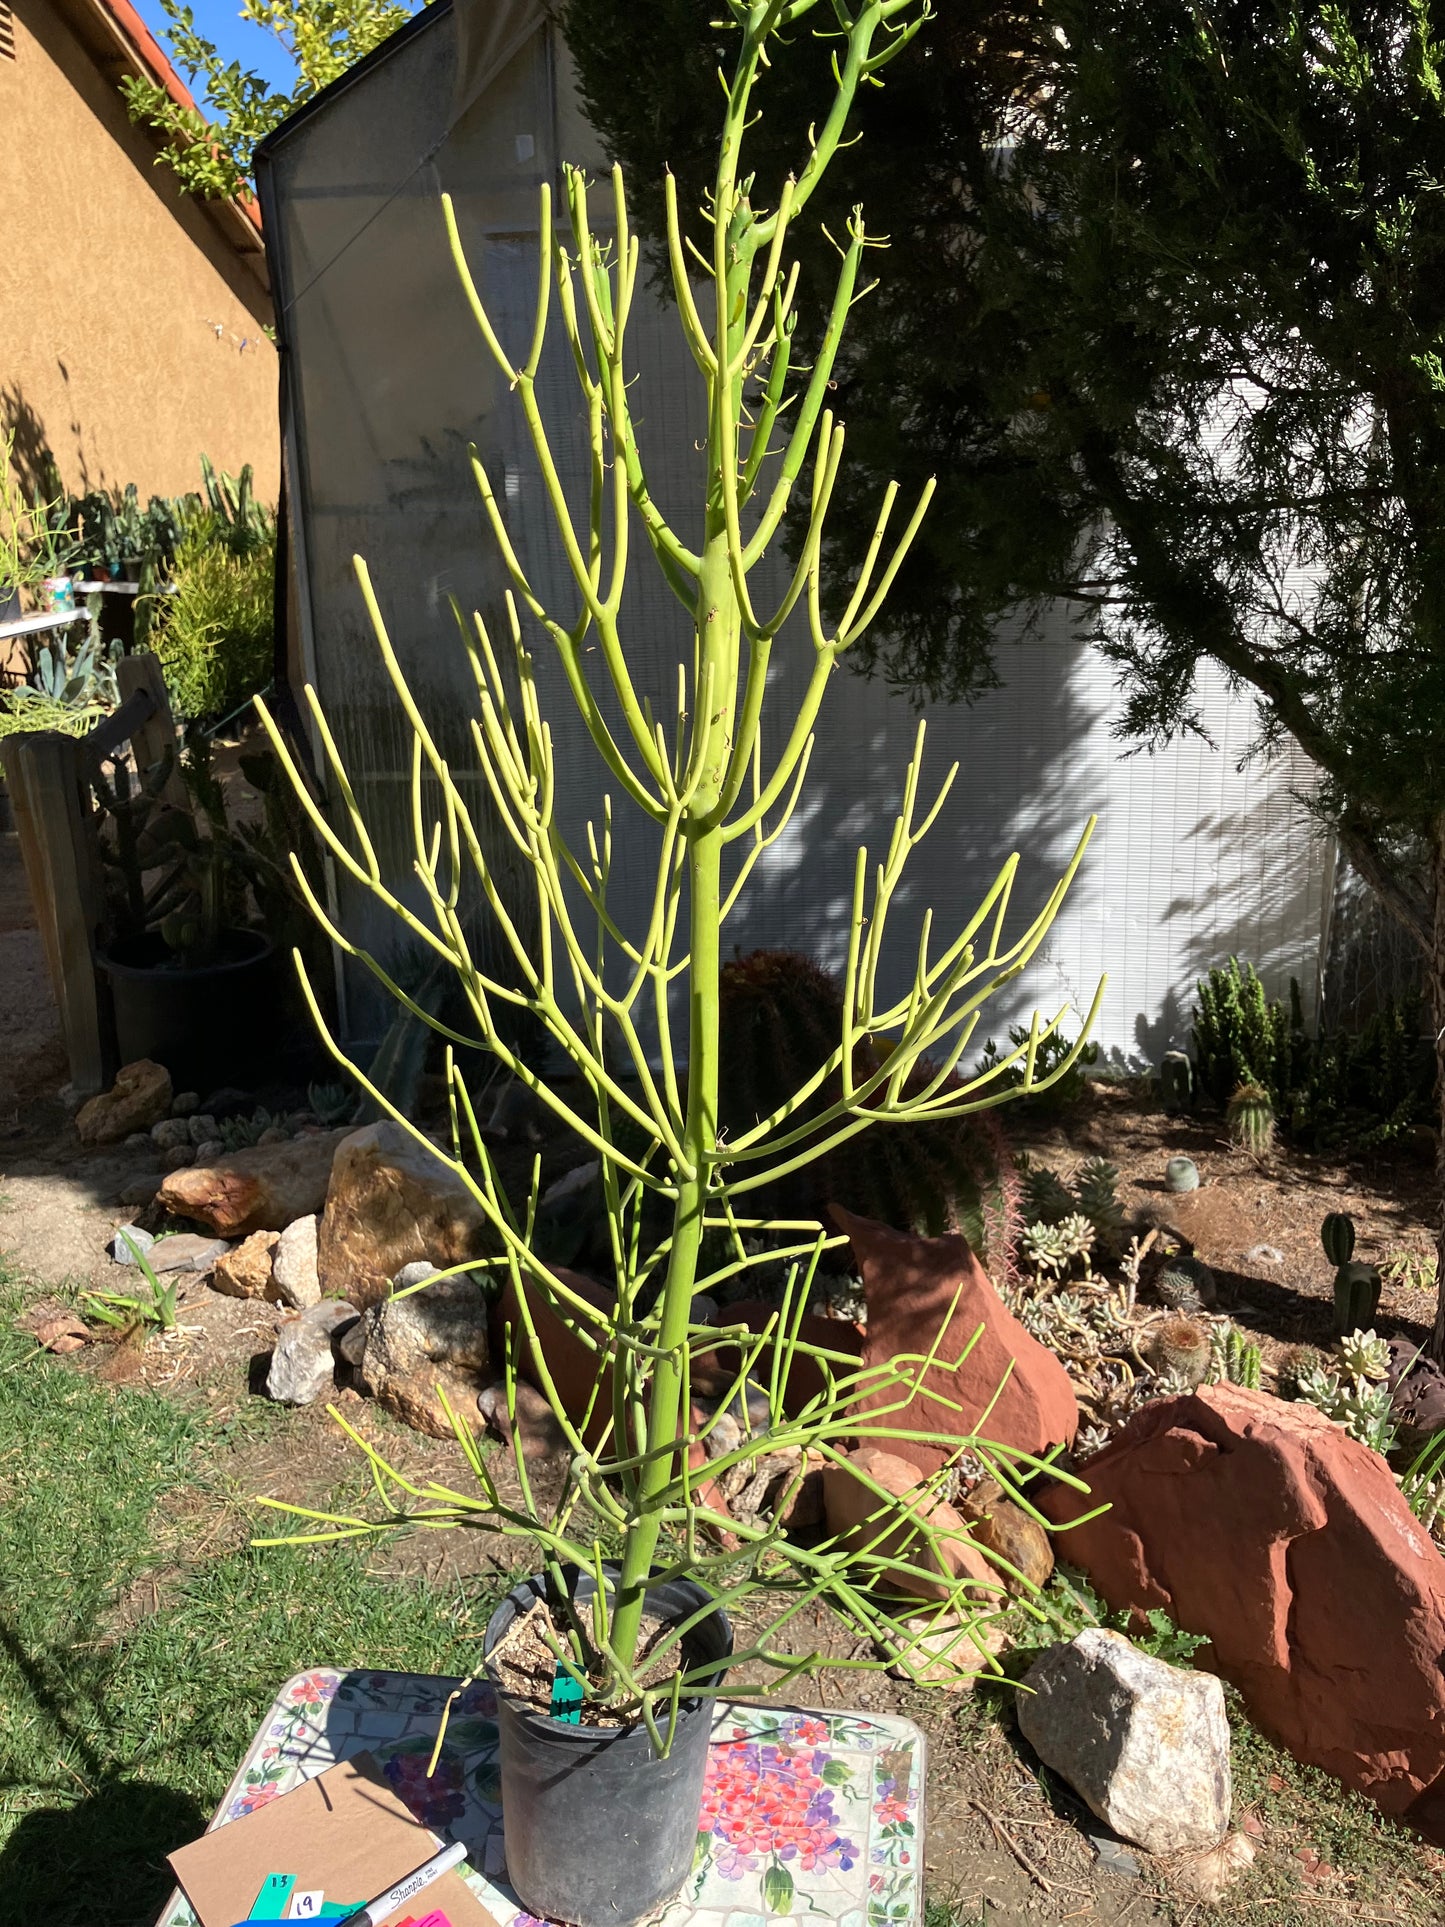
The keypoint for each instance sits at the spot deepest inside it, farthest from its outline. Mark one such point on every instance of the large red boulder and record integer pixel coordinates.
(989, 1377)
(1263, 1526)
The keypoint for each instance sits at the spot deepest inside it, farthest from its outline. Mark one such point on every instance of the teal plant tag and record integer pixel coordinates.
(270, 1903)
(566, 1698)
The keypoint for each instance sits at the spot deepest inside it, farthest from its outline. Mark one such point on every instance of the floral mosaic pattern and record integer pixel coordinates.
(803, 1814)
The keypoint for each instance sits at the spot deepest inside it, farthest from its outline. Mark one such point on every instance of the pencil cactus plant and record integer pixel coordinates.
(714, 794)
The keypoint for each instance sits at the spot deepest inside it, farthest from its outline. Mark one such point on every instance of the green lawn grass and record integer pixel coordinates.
(130, 1678)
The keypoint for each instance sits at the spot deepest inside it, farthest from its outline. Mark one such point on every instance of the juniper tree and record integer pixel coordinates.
(1197, 263)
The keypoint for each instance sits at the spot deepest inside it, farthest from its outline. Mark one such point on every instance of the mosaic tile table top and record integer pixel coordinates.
(805, 1814)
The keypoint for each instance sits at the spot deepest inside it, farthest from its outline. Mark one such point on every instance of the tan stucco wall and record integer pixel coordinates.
(123, 307)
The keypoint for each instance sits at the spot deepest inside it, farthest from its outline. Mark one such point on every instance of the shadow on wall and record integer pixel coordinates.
(32, 458)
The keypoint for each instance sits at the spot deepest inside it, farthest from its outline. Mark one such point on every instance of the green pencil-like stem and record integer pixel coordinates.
(602, 989)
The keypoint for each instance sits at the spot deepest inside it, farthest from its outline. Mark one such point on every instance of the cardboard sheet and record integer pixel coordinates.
(345, 1832)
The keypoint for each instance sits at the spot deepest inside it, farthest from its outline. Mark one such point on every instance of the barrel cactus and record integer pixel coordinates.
(1186, 1284)
(1250, 1118)
(1182, 1347)
(780, 1018)
(1296, 1363)
(1181, 1174)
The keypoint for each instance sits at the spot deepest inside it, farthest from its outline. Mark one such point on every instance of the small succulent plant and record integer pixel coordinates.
(1362, 1408)
(1096, 1188)
(1234, 1360)
(1363, 1355)
(1089, 1440)
(1250, 1118)
(1046, 1198)
(1054, 1247)
(240, 1133)
(333, 1104)
(1181, 1174)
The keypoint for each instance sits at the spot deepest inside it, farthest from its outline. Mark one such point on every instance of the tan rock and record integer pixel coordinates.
(860, 1518)
(246, 1271)
(1006, 1530)
(263, 1189)
(139, 1097)
(413, 1398)
(388, 1204)
(949, 1651)
(293, 1264)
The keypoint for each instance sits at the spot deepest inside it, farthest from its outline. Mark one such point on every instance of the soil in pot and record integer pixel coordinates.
(524, 1664)
(600, 1830)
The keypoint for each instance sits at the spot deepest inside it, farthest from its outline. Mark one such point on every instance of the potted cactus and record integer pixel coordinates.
(607, 1658)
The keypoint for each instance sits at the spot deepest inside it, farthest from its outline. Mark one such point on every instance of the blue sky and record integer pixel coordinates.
(219, 22)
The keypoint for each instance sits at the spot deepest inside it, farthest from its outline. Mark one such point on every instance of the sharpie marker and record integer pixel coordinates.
(377, 1910)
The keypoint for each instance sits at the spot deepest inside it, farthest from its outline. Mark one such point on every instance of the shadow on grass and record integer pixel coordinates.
(100, 1862)
(100, 1859)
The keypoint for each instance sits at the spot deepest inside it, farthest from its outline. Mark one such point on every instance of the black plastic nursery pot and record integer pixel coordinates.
(215, 1024)
(599, 1830)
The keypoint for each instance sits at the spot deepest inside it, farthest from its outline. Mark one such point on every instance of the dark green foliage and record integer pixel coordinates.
(1051, 1053)
(1241, 1036)
(1337, 1235)
(1357, 1297)
(1342, 1091)
(781, 1018)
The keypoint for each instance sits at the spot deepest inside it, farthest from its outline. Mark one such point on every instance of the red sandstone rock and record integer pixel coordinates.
(910, 1283)
(715, 1374)
(851, 1507)
(1287, 1544)
(573, 1368)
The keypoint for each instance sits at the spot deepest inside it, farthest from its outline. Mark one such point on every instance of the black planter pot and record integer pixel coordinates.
(215, 1024)
(599, 1830)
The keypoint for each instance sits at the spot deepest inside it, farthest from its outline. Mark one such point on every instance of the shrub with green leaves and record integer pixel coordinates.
(1345, 1090)
(216, 634)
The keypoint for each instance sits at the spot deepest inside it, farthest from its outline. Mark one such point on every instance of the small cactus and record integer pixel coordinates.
(1186, 1284)
(1362, 1355)
(1181, 1174)
(1337, 1235)
(1250, 1118)
(1296, 1363)
(1357, 1297)
(1176, 1081)
(1241, 1361)
(1182, 1347)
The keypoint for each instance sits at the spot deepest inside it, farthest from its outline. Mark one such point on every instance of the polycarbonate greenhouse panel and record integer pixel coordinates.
(1198, 854)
